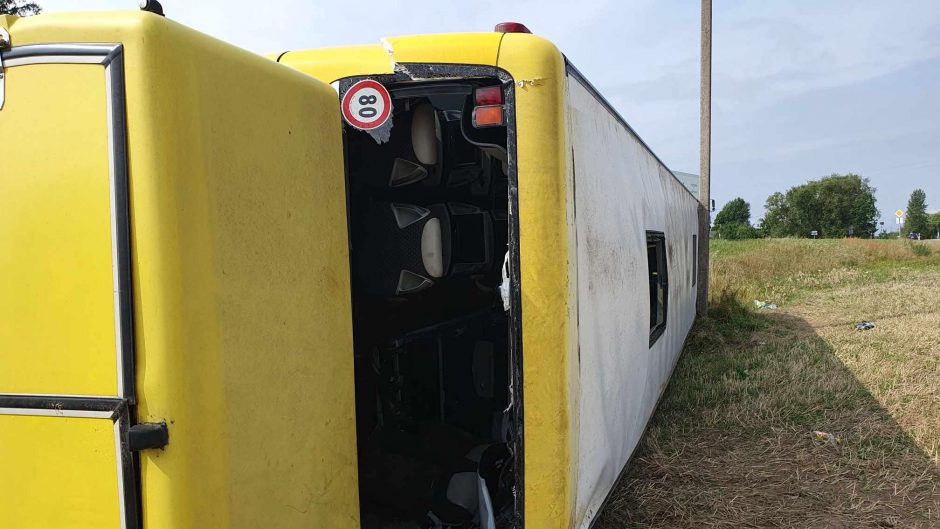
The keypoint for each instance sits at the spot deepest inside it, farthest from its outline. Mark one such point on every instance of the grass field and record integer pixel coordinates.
(734, 442)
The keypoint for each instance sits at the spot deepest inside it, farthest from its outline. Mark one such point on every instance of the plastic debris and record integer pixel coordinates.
(865, 326)
(504, 285)
(761, 305)
(827, 438)
(889, 521)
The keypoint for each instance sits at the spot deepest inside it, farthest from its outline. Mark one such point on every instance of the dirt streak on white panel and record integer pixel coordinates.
(621, 191)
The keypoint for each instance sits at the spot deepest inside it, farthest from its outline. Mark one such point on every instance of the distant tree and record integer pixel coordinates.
(834, 206)
(734, 221)
(776, 219)
(736, 211)
(916, 220)
(933, 225)
(19, 8)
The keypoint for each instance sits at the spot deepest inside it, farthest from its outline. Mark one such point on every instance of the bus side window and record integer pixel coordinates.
(658, 281)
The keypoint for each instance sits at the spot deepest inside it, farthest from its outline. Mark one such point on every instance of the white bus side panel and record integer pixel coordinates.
(621, 191)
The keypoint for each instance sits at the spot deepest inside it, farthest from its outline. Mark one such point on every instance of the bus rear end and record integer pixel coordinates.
(460, 269)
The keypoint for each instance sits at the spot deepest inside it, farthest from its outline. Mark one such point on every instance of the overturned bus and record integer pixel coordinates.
(435, 282)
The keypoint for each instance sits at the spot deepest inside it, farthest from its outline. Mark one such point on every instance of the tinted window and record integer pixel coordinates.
(658, 283)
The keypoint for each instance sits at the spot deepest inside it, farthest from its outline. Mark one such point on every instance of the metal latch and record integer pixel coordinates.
(4, 45)
(147, 435)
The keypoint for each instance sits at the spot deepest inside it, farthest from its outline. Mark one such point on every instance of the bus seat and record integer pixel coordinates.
(408, 247)
(426, 144)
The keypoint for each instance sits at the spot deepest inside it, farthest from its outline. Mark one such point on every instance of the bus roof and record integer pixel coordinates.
(331, 64)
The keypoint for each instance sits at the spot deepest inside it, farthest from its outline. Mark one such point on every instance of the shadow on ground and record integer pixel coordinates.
(764, 426)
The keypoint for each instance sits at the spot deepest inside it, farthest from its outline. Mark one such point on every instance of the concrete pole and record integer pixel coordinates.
(705, 163)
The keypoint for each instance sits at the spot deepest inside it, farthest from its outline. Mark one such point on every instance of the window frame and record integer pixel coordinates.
(658, 239)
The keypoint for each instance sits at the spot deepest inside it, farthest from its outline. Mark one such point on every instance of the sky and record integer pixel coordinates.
(801, 88)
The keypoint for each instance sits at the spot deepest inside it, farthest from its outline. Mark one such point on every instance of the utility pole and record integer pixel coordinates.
(705, 161)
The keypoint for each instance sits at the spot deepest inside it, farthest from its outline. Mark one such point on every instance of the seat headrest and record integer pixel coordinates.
(432, 248)
(425, 134)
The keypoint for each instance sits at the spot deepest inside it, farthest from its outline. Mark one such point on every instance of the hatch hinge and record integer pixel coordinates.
(4, 45)
(147, 435)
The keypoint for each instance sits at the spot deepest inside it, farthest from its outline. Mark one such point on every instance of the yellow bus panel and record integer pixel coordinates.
(57, 315)
(58, 472)
(549, 337)
(241, 300)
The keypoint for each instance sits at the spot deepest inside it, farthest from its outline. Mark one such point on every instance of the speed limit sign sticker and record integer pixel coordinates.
(367, 105)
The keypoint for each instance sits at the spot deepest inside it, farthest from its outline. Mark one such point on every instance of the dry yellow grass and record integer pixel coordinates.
(733, 443)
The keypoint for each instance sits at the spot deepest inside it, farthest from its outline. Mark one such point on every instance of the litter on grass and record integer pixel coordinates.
(761, 305)
(864, 326)
(827, 438)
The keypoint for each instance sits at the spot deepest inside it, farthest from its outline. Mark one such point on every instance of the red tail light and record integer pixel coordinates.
(511, 27)
(488, 95)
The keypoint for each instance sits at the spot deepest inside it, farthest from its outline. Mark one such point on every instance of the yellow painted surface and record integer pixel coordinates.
(331, 64)
(57, 310)
(549, 350)
(450, 48)
(241, 278)
(58, 472)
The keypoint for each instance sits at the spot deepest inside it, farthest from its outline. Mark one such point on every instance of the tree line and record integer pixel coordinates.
(831, 207)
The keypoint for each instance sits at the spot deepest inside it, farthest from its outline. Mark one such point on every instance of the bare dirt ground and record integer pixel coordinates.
(792, 417)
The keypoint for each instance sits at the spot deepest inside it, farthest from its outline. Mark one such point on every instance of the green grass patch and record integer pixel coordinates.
(784, 270)
(921, 250)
